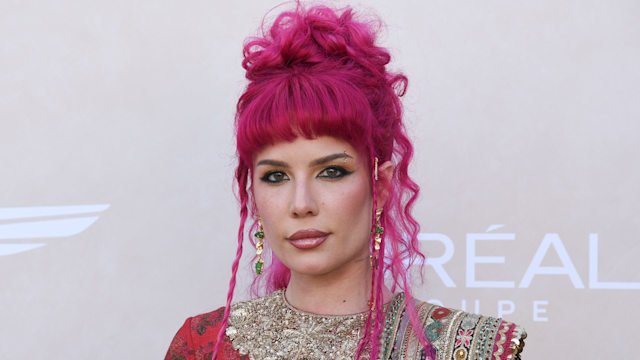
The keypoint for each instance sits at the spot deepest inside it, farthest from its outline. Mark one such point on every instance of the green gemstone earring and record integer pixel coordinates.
(377, 239)
(259, 247)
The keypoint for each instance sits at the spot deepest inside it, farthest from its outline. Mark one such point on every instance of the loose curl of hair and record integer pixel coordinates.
(318, 71)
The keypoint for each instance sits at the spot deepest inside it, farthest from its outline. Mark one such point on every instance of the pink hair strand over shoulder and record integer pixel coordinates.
(317, 71)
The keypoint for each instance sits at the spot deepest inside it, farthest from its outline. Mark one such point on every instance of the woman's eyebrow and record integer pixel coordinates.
(273, 163)
(328, 158)
(316, 162)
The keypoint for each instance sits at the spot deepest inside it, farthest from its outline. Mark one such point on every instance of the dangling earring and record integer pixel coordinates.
(259, 246)
(378, 239)
(375, 168)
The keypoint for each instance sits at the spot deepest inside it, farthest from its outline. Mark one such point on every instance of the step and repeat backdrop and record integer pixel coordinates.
(117, 215)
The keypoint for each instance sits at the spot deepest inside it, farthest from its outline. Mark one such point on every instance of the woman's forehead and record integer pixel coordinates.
(303, 148)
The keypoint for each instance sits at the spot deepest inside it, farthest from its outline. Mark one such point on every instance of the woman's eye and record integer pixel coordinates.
(274, 177)
(333, 172)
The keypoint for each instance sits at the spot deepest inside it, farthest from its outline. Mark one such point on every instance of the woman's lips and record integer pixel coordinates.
(308, 238)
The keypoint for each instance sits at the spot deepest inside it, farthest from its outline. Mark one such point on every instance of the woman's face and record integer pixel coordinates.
(314, 199)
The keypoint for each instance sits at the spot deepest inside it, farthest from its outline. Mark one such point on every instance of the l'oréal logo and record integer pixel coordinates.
(40, 222)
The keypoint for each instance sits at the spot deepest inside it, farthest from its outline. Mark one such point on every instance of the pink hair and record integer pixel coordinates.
(315, 72)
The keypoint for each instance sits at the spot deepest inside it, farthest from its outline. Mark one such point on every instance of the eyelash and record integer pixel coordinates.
(266, 177)
(342, 172)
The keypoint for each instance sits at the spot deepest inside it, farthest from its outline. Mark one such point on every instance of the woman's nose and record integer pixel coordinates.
(303, 202)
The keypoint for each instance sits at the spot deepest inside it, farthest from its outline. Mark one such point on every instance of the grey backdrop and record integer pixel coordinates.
(117, 219)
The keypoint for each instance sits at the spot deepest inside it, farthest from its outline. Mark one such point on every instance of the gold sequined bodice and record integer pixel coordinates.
(269, 328)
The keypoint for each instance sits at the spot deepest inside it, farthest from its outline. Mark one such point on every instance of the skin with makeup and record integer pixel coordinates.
(314, 199)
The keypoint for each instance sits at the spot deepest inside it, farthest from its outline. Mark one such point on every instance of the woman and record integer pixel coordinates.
(323, 157)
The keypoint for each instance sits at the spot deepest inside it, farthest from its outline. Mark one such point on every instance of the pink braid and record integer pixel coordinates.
(241, 177)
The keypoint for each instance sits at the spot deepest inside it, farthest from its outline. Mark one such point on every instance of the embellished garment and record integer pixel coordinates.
(458, 335)
(268, 328)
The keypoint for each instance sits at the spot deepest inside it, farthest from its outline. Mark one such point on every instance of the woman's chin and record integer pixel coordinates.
(310, 269)
(323, 267)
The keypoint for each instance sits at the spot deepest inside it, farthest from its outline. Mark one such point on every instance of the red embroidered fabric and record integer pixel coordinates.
(196, 339)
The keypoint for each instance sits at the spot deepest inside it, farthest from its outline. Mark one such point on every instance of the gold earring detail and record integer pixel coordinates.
(375, 169)
(259, 247)
(377, 238)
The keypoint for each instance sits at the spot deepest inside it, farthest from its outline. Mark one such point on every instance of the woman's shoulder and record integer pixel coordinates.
(196, 339)
(460, 335)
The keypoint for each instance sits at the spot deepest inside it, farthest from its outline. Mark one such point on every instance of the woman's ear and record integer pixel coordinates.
(383, 185)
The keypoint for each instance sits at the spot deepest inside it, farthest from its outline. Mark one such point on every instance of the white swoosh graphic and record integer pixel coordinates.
(53, 228)
(41, 211)
(46, 228)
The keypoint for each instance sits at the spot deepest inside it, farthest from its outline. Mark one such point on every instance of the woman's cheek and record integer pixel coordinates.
(354, 200)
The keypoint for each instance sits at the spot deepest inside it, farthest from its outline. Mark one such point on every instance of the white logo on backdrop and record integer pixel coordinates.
(551, 243)
(38, 222)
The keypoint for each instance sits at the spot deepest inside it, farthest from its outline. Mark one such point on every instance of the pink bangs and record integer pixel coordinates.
(292, 104)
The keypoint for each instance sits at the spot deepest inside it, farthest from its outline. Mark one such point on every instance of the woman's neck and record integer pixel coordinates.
(337, 293)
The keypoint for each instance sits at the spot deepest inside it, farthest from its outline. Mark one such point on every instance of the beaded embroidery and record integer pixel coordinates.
(268, 328)
(458, 335)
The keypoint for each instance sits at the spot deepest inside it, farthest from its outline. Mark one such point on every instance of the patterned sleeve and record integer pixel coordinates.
(475, 336)
(459, 335)
(196, 339)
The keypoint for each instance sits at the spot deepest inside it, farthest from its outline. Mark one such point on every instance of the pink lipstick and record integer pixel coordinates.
(308, 238)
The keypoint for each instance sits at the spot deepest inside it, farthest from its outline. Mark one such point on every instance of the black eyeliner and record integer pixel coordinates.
(265, 177)
(343, 172)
